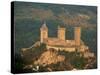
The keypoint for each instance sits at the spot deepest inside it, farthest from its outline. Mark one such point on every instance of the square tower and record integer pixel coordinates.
(77, 36)
(61, 33)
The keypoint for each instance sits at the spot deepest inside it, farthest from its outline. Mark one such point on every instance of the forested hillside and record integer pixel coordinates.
(28, 18)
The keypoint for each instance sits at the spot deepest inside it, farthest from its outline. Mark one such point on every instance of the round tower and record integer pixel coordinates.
(43, 33)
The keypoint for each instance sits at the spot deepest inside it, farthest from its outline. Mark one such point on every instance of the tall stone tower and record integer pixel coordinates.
(77, 36)
(61, 33)
(43, 33)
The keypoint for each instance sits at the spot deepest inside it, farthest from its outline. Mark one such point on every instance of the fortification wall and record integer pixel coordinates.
(69, 49)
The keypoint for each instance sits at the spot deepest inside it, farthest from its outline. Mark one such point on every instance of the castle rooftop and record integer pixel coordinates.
(44, 27)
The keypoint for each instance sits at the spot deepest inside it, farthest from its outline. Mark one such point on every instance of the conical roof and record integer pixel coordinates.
(44, 27)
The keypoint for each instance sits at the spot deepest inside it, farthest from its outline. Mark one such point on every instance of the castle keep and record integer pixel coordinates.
(60, 42)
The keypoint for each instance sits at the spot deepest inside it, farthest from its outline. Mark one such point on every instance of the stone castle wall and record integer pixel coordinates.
(68, 49)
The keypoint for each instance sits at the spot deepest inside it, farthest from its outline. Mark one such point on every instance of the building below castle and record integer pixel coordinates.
(60, 42)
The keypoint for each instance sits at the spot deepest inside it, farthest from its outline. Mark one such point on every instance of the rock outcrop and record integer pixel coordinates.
(49, 57)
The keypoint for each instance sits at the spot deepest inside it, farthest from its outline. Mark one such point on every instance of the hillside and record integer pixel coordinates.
(28, 18)
(40, 59)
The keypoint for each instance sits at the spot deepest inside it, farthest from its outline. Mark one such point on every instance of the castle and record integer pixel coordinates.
(60, 42)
